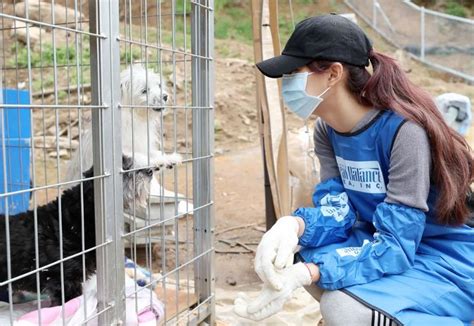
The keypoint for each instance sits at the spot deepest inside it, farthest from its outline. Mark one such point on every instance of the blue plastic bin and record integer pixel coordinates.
(16, 153)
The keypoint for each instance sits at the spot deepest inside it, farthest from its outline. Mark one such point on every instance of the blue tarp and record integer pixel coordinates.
(15, 148)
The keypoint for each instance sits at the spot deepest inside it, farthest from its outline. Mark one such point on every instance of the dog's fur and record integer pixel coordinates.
(140, 88)
(22, 238)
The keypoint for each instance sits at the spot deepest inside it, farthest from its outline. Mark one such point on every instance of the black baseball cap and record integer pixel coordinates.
(329, 37)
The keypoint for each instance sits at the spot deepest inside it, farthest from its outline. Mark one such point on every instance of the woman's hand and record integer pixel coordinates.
(271, 301)
(276, 249)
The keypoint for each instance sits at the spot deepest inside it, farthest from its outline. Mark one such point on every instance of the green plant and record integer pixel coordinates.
(456, 9)
(233, 20)
(47, 56)
(128, 56)
(180, 6)
(221, 5)
(62, 95)
(39, 83)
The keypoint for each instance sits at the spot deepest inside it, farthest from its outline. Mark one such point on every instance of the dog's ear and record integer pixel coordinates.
(127, 162)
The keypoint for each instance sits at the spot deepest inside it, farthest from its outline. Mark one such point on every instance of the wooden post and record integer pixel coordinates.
(272, 126)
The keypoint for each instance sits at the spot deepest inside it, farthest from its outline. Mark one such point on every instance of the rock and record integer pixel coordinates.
(245, 119)
(50, 142)
(19, 31)
(231, 281)
(229, 62)
(41, 12)
(181, 142)
(86, 99)
(252, 114)
(38, 36)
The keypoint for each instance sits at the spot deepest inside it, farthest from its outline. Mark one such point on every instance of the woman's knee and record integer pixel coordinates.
(338, 308)
(315, 291)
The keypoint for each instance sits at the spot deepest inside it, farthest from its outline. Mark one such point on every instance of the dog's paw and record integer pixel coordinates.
(174, 159)
(167, 160)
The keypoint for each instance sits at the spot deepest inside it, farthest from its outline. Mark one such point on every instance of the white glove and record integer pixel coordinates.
(271, 301)
(276, 250)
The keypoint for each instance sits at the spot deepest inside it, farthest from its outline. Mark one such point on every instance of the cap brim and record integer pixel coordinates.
(282, 64)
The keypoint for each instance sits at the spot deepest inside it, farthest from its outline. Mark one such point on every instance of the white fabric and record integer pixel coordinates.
(142, 308)
(139, 303)
(276, 250)
(271, 301)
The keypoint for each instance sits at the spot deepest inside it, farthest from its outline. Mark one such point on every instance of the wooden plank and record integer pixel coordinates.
(260, 19)
(272, 124)
(282, 168)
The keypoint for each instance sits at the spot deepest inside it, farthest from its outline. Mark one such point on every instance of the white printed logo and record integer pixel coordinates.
(351, 251)
(363, 176)
(335, 206)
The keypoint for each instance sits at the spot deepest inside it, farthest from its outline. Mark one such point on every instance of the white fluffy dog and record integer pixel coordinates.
(143, 100)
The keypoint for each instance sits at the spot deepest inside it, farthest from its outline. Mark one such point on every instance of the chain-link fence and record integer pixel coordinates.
(106, 164)
(443, 41)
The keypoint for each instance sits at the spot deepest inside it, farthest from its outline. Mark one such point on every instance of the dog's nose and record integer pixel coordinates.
(165, 97)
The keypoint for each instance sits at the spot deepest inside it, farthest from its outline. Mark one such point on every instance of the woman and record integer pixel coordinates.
(386, 242)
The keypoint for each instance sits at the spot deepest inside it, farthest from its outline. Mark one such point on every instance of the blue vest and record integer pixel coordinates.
(364, 168)
(444, 256)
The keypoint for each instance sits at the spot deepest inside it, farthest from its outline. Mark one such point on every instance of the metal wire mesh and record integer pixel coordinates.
(443, 41)
(84, 82)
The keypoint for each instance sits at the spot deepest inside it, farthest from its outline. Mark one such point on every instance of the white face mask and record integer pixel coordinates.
(295, 96)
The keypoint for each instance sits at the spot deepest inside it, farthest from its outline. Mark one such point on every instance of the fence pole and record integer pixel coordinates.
(374, 14)
(422, 33)
(107, 159)
(203, 143)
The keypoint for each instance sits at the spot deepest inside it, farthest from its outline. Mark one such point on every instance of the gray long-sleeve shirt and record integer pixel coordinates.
(410, 162)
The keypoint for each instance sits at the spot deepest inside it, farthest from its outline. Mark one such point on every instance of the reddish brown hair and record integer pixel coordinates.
(389, 88)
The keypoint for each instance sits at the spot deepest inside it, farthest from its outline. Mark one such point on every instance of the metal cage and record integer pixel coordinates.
(62, 95)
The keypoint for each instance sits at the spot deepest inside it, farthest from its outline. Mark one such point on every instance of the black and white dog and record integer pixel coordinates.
(136, 187)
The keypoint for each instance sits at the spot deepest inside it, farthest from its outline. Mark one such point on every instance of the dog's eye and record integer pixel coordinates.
(145, 91)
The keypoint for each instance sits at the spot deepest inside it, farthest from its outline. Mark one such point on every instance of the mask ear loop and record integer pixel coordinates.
(327, 89)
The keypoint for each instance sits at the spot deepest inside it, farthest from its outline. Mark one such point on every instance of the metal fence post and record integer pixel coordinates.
(442, 61)
(422, 33)
(202, 44)
(106, 127)
(374, 13)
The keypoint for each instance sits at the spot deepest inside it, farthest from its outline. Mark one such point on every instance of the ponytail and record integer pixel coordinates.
(389, 88)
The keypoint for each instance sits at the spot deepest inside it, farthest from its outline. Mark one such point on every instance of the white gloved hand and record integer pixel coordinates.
(271, 301)
(276, 250)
